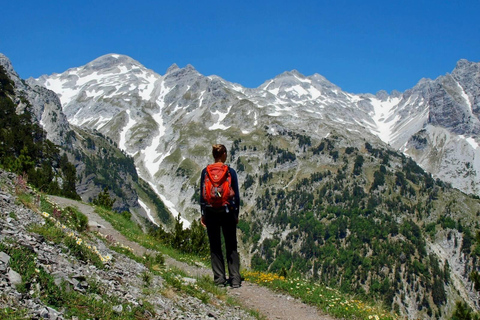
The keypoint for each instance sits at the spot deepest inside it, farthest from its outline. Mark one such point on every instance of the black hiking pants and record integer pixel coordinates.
(219, 221)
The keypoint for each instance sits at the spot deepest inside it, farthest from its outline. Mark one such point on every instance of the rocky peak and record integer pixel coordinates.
(290, 74)
(319, 79)
(5, 62)
(382, 95)
(174, 67)
(468, 74)
(110, 61)
(190, 68)
(396, 93)
(293, 78)
(175, 71)
(295, 73)
(285, 79)
(185, 75)
(465, 64)
(13, 75)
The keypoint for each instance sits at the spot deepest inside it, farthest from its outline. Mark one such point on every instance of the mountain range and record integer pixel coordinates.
(376, 194)
(436, 122)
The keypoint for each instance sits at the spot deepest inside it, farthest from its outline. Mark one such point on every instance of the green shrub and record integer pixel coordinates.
(127, 215)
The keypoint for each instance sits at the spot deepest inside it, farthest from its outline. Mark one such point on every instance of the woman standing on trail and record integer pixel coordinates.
(219, 203)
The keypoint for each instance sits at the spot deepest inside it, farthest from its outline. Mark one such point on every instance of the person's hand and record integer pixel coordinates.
(202, 221)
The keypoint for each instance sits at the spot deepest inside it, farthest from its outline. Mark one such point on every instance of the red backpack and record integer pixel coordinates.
(217, 185)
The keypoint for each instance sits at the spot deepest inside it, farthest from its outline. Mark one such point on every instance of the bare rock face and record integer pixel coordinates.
(445, 139)
(42, 103)
(454, 100)
(468, 74)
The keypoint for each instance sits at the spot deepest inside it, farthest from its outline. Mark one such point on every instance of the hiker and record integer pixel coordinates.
(219, 203)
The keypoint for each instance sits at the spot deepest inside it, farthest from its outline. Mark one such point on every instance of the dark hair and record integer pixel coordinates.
(218, 150)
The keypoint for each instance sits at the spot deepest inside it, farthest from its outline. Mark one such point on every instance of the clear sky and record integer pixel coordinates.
(361, 46)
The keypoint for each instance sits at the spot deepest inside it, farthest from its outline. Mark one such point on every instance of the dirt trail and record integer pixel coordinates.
(268, 303)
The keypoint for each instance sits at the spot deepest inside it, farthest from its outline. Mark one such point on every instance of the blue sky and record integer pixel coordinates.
(361, 46)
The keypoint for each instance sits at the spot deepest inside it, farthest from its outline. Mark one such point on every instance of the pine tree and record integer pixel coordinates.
(103, 200)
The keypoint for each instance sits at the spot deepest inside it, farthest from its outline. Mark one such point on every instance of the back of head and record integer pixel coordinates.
(218, 150)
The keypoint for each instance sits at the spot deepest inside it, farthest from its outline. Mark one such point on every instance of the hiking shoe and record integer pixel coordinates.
(236, 285)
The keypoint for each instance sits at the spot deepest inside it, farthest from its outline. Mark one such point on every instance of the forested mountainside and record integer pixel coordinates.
(365, 219)
(322, 195)
(25, 149)
(102, 165)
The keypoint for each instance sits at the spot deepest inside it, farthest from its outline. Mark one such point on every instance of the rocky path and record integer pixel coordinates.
(266, 302)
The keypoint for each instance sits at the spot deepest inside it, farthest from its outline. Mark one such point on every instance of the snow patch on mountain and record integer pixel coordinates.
(122, 144)
(384, 117)
(63, 91)
(464, 96)
(147, 86)
(298, 90)
(276, 113)
(221, 116)
(96, 121)
(148, 211)
(151, 155)
(171, 206)
(471, 141)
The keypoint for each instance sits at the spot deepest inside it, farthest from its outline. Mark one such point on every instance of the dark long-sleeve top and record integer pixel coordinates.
(235, 206)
